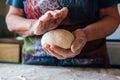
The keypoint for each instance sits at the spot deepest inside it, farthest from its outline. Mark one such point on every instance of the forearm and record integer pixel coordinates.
(28, 27)
(19, 24)
(102, 28)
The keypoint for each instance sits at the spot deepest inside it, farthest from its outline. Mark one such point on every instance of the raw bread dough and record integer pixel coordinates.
(58, 37)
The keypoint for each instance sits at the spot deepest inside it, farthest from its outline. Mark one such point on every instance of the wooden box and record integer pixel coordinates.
(10, 51)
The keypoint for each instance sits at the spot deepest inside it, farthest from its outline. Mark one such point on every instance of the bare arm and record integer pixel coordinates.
(110, 20)
(17, 23)
(108, 23)
(27, 27)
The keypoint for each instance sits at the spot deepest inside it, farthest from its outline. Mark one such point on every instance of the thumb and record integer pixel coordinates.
(76, 45)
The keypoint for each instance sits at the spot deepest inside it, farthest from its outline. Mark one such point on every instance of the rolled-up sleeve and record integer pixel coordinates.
(15, 3)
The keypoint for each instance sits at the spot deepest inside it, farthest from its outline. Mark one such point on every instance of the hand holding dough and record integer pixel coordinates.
(58, 37)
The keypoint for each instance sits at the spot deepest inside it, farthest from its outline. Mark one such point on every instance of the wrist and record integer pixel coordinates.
(31, 23)
(30, 27)
(84, 34)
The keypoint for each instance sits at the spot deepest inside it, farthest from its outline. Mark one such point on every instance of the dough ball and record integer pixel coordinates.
(58, 37)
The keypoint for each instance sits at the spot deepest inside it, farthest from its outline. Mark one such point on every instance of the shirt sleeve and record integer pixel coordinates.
(15, 3)
(107, 3)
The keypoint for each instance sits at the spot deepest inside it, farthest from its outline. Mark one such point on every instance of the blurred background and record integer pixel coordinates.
(4, 33)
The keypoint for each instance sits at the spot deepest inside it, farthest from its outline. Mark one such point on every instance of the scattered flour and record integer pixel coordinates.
(30, 72)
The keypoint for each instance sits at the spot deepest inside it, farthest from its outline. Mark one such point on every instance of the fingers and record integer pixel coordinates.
(64, 12)
(56, 17)
(64, 52)
(59, 16)
(49, 21)
(77, 44)
(42, 24)
(46, 17)
(60, 53)
(52, 52)
(55, 13)
(80, 40)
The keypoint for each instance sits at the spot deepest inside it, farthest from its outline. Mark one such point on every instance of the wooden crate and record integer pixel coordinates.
(9, 52)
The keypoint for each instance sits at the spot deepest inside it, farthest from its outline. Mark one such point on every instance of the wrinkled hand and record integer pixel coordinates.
(76, 47)
(48, 21)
